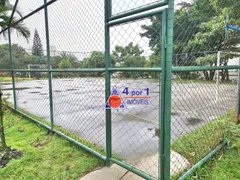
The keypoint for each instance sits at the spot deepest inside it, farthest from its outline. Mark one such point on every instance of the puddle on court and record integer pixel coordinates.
(17, 89)
(57, 91)
(71, 89)
(67, 80)
(34, 92)
(174, 113)
(193, 121)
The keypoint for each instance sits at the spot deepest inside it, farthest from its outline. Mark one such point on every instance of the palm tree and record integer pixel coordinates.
(3, 145)
(22, 30)
(5, 9)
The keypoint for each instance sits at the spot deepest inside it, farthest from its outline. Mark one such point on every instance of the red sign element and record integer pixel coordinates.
(114, 101)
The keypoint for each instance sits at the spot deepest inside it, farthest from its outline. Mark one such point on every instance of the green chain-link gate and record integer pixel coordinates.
(172, 99)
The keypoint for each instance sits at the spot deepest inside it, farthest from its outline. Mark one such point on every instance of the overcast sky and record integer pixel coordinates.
(78, 26)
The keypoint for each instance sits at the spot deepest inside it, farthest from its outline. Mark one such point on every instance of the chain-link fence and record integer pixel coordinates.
(62, 62)
(204, 101)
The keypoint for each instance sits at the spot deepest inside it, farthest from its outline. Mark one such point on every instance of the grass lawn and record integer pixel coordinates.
(225, 166)
(200, 142)
(196, 145)
(9, 79)
(44, 156)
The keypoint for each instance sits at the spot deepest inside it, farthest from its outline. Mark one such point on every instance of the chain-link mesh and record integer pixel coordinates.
(6, 85)
(203, 102)
(135, 130)
(82, 113)
(72, 85)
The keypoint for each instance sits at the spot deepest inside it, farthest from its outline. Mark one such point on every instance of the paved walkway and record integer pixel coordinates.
(115, 172)
(148, 165)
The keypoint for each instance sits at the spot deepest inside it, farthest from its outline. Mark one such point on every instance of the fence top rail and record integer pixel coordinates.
(137, 17)
(174, 69)
(139, 10)
(202, 68)
(54, 70)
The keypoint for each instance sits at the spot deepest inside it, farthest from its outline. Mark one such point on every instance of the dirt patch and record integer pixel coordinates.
(7, 155)
(38, 144)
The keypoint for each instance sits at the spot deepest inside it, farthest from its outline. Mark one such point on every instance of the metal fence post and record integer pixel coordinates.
(166, 95)
(108, 83)
(162, 97)
(12, 69)
(49, 65)
(238, 93)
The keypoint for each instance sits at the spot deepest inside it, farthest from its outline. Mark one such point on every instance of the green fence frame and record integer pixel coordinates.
(167, 12)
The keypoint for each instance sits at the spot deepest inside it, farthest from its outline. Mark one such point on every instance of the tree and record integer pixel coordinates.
(55, 61)
(153, 62)
(20, 27)
(71, 57)
(129, 56)
(3, 145)
(22, 30)
(37, 49)
(211, 60)
(65, 64)
(21, 58)
(96, 60)
(122, 54)
(199, 26)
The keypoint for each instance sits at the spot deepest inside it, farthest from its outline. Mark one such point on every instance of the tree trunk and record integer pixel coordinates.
(212, 73)
(227, 75)
(3, 145)
(223, 75)
(206, 75)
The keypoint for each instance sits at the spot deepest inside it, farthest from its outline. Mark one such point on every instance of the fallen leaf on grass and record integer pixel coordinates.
(192, 154)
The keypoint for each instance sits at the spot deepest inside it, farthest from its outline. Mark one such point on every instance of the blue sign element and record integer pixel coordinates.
(107, 106)
(115, 93)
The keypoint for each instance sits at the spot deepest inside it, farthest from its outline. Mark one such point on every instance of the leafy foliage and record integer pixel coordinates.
(129, 56)
(96, 60)
(199, 27)
(71, 58)
(20, 28)
(21, 57)
(65, 64)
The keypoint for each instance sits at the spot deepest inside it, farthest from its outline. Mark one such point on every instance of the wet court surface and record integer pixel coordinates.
(79, 106)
